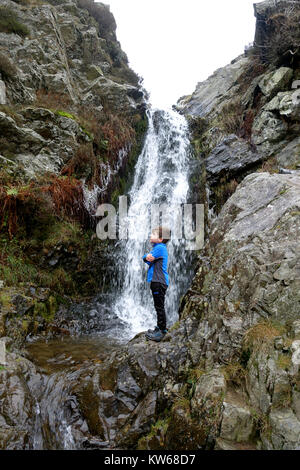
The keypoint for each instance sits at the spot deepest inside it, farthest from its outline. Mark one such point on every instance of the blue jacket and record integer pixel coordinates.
(157, 271)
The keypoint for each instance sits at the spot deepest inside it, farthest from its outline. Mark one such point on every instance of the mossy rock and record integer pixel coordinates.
(10, 24)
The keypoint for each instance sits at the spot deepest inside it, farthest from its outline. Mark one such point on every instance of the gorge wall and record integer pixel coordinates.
(226, 376)
(72, 123)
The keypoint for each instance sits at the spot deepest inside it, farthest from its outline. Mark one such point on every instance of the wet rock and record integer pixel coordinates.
(139, 423)
(18, 412)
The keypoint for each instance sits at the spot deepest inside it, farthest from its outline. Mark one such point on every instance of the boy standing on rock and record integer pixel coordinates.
(158, 278)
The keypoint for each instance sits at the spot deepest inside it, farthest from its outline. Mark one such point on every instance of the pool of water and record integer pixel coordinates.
(55, 355)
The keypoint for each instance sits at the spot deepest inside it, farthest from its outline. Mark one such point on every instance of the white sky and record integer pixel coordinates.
(174, 44)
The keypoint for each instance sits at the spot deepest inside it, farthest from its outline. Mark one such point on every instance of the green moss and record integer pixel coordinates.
(25, 325)
(10, 24)
(40, 309)
(65, 114)
(156, 437)
(52, 306)
(46, 310)
(5, 300)
(175, 326)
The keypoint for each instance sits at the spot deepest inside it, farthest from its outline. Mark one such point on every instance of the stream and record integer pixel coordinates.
(106, 323)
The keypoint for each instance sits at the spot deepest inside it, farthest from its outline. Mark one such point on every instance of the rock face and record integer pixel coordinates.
(228, 372)
(72, 123)
(226, 376)
(69, 61)
(209, 94)
(255, 97)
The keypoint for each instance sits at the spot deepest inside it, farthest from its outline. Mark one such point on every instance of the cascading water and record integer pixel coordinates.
(161, 177)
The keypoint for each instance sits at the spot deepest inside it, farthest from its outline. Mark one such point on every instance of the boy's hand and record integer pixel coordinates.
(150, 258)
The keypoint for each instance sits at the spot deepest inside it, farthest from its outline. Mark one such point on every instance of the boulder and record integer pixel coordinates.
(268, 131)
(285, 430)
(275, 81)
(230, 157)
(237, 422)
(286, 103)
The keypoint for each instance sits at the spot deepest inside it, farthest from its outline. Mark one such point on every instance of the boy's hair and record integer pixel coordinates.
(163, 232)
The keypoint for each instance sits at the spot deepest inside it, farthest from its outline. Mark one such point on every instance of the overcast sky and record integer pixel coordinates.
(174, 44)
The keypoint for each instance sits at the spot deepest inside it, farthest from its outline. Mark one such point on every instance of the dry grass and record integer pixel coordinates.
(26, 205)
(255, 68)
(51, 100)
(234, 373)
(247, 124)
(270, 166)
(261, 335)
(231, 117)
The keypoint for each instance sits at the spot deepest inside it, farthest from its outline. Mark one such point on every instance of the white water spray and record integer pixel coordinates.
(161, 177)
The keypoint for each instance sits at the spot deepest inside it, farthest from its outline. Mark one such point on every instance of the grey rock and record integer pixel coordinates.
(295, 328)
(277, 195)
(295, 347)
(290, 154)
(237, 422)
(286, 103)
(231, 156)
(2, 92)
(278, 80)
(209, 94)
(223, 444)
(268, 131)
(210, 387)
(285, 430)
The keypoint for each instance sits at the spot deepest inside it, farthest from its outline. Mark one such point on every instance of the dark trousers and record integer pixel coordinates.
(159, 291)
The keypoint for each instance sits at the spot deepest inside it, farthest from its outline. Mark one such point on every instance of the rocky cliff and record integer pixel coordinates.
(226, 376)
(72, 122)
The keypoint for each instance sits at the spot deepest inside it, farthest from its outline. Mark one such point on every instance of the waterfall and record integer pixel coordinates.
(161, 177)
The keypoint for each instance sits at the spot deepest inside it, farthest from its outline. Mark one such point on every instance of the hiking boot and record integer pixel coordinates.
(153, 331)
(157, 336)
(156, 329)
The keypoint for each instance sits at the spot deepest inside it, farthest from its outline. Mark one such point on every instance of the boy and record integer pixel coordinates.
(158, 277)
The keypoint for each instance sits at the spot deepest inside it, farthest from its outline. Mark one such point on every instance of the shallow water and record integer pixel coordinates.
(62, 354)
